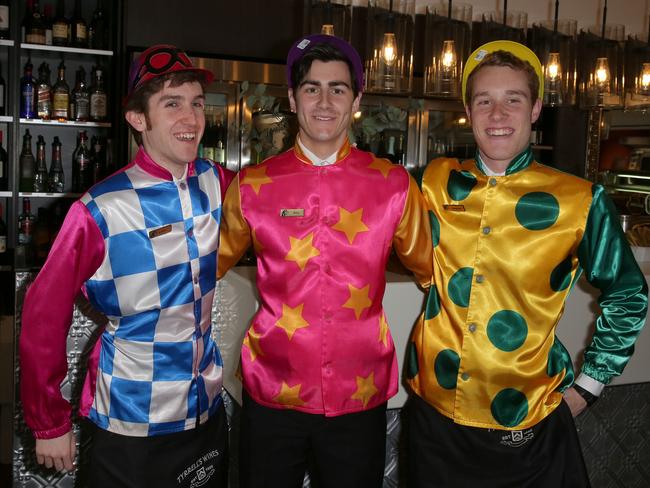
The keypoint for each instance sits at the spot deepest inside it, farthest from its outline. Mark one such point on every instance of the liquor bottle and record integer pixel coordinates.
(109, 166)
(75, 170)
(208, 139)
(47, 20)
(97, 158)
(3, 233)
(4, 176)
(26, 19)
(27, 93)
(44, 93)
(25, 235)
(82, 165)
(61, 97)
(26, 162)
(98, 99)
(97, 31)
(60, 26)
(220, 148)
(40, 178)
(41, 236)
(399, 151)
(4, 19)
(56, 180)
(79, 27)
(3, 92)
(80, 97)
(35, 29)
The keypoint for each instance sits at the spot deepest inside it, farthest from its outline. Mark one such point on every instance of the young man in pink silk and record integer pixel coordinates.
(318, 362)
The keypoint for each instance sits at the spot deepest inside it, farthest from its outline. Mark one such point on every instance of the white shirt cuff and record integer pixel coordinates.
(591, 385)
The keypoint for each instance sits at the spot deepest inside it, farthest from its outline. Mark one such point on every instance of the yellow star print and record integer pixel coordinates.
(383, 330)
(291, 319)
(350, 223)
(289, 396)
(358, 300)
(252, 341)
(366, 389)
(256, 177)
(302, 250)
(381, 166)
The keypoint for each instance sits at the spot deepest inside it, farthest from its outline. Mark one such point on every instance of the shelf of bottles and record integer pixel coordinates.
(57, 46)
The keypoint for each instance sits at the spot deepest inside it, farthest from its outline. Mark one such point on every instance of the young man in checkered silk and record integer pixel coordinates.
(142, 245)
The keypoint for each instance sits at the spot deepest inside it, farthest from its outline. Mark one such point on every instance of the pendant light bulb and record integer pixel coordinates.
(327, 29)
(389, 48)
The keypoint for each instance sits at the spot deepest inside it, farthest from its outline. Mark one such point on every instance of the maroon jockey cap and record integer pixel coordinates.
(306, 43)
(160, 60)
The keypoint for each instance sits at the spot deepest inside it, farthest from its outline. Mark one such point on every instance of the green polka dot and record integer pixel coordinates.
(559, 360)
(412, 367)
(537, 210)
(459, 286)
(433, 304)
(509, 407)
(435, 228)
(446, 368)
(561, 275)
(507, 330)
(460, 184)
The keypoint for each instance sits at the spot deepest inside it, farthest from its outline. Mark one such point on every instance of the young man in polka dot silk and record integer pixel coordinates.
(494, 389)
(318, 362)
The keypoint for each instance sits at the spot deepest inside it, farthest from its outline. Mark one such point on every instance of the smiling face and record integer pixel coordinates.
(173, 126)
(501, 112)
(324, 103)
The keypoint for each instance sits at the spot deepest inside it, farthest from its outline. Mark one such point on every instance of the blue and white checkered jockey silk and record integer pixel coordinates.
(159, 369)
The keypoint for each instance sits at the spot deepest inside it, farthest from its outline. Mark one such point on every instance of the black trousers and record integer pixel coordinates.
(188, 459)
(277, 447)
(442, 453)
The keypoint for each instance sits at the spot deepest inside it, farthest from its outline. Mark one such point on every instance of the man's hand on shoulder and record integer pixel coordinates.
(58, 452)
(576, 403)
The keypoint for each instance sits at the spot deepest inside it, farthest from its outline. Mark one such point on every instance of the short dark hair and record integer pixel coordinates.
(321, 52)
(509, 60)
(139, 100)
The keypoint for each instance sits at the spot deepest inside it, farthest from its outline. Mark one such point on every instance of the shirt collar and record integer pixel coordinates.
(307, 156)
(315, 160)
(519, 162)
(143, 160)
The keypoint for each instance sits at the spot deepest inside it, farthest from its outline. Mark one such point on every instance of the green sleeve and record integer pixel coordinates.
(610, 266)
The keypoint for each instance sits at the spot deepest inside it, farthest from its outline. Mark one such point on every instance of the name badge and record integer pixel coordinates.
(165, 229)
(292, 212)
(454, 208)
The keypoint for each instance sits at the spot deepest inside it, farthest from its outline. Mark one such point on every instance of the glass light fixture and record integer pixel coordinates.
(602, 75)
(448, 59)
(330, 17)
(446, 46)
(389, 48)
(327, 29)
(637, 74)
(554, 42)
(390, 32)
(644, 80)
(600, 65)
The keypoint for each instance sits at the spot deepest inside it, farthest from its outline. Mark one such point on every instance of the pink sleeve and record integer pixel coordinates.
(46, 317)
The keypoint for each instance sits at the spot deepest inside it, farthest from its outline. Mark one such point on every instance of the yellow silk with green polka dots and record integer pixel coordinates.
(484, 352)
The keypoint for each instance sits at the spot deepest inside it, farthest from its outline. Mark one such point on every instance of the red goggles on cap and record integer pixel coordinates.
(155, 62)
